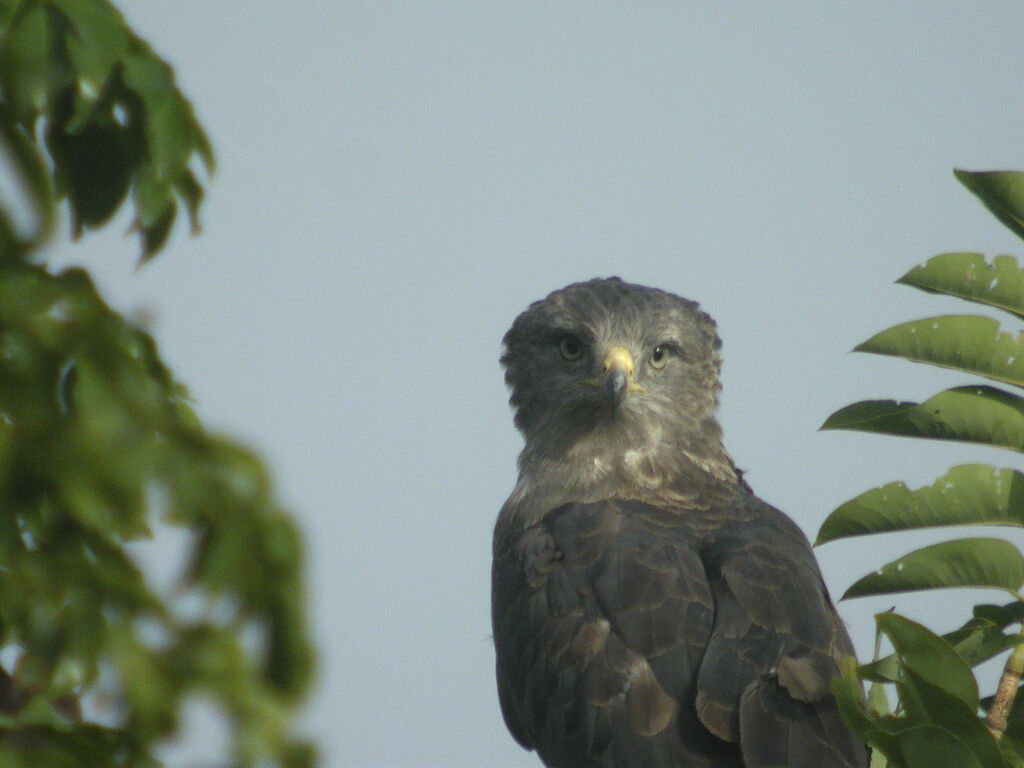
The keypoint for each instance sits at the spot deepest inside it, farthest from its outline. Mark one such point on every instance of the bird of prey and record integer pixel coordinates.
(649, 611)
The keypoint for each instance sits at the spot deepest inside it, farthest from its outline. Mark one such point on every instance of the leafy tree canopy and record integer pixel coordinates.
(99, 449)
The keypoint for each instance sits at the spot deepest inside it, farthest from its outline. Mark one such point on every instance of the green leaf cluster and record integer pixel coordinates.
(936, 719)
(100, 451)
(113, 122)
(98, 446)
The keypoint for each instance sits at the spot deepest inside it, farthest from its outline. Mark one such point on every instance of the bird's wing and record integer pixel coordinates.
(626, 639)
(601, 616)
(775, 646)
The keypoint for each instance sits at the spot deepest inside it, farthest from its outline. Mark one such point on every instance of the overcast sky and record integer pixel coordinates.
(397, 181)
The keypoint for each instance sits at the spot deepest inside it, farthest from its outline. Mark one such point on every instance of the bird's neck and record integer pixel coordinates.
(612, 463)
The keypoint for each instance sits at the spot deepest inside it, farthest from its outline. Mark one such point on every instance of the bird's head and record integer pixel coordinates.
(608, 360)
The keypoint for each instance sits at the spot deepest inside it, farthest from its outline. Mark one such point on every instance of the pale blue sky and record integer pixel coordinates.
(398, 180)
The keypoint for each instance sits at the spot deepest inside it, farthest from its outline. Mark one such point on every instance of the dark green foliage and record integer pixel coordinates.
(115, 124)
(100, 451)
(94, 436)
(937, 696)
(936, 721)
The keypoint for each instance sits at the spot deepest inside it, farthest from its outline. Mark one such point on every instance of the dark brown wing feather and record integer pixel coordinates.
(629, 635)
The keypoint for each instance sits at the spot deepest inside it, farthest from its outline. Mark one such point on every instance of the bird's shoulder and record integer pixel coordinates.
(601, 614)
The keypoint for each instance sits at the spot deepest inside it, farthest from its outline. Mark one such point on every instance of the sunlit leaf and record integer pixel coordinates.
(969, 276)
(967, 343)
(976, 414)
(1002, 192)
(974, 562)
(877, 700)
(970, 494)
(878, 759)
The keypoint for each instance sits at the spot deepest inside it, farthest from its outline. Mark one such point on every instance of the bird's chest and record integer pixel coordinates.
(598, 474)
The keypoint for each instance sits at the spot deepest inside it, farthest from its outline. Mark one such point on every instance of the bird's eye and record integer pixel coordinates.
(659, 356)
(570, 348)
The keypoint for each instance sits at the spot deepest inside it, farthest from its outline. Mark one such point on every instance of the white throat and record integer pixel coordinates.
(597, 468)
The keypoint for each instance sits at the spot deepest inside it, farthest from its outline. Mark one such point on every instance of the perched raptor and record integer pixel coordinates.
(649, 610)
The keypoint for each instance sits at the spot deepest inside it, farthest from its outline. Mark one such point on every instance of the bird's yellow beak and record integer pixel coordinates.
(617, 373)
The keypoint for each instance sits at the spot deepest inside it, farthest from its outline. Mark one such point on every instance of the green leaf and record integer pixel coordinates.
(99, 40)
(115, 120)
(931, 746)
(967, 343)
(878, 759)
(168, 120)
(98, 448)
(191, 193)
(32, 66)
(976, 562)
(1002, 192)
(95, 444)
(970, 494)
(26, 160)
(977, 641)
(879, 732)
(7, 12)
(887, 416)
(1000, 615)
(930, 657)
(928, 704)
(969, 276)
(975, 414)
(877, 700)
(94, 163)
(1013, 751)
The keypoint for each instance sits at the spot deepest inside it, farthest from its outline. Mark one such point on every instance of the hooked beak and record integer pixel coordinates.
(617, 372)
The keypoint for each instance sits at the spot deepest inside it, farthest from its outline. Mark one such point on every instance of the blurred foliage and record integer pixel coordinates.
(935, 721)
(100, 451)
(112, 120)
